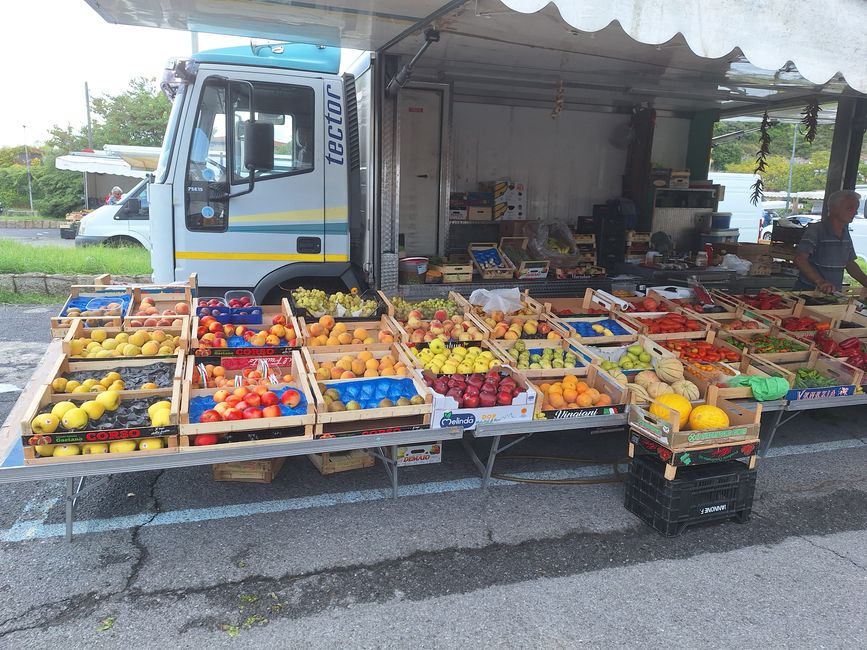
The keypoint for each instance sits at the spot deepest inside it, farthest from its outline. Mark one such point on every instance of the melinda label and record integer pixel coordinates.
(465, 420)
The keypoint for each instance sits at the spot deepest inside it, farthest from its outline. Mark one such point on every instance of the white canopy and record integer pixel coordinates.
(821, 39)
(97, 163)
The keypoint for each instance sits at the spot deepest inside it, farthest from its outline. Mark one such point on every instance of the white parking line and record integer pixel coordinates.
(27, 530)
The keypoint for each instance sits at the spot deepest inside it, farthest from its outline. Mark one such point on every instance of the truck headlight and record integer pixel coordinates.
(81, 227)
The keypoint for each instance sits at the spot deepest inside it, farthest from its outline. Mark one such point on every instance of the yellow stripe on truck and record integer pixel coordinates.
(331, 214)
(259, 257)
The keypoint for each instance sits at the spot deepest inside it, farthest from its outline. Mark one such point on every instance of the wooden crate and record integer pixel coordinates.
(64, 366)
(336, 424)
(133, 431)
(525, 269)
(502, 348)
(595, 378)
(742, 340)
(641, 328)
(556, 328)
(806, 300)
(453, 306)
(806, 312)
(846, 378)
(301, 426)
(744, 424)
(269, 370)
(529, 306)
(613, 353)
(341, 461)
(314, 357)
(79, 331)
(708, 385)
(61, 323)
(642, 445)
(384, 329)
(249, 471)
(573, 327)
(504, 272)
(455, 269)
(205, 343)
(725, 321)
(853, 323)
(164, 298)
(786, 305)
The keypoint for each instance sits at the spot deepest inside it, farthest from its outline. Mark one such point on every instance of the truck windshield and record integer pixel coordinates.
(171, 131)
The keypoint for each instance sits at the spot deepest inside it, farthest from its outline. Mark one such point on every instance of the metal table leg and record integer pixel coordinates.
(766, 441)
(487, 468)
(389, 462)
(73, 492)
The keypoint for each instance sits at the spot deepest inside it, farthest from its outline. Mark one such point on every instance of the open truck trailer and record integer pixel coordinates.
(575, 99)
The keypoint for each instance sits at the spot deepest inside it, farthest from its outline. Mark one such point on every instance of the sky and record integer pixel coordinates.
(50, 48)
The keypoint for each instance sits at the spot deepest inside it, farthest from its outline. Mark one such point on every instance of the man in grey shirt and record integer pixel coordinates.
(826, 248)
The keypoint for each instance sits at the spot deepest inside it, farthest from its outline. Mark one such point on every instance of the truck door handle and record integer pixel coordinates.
(421, 175)
(309, 245)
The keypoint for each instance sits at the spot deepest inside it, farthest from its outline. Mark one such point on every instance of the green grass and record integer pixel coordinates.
(847, 279)
(10, 298)
(18, 217)
(17, 257)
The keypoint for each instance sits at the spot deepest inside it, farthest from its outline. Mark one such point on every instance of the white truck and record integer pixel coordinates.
(454, 93)
(126, 223)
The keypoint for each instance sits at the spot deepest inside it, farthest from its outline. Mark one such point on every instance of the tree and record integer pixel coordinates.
(56, 191)
(806, 175)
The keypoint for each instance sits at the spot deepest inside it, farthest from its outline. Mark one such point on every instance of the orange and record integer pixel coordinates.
(603, 400)
(572, 405)
(570, 394)
(556, 388)
(556, 400)
(545, 388)
(584, 400)
(581, 387)
(570, 381)
(593, 393)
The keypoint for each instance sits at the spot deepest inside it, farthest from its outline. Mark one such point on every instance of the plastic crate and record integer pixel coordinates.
(698, 495)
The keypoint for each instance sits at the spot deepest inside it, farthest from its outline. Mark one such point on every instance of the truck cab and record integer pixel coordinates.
(127, 223)
(288, 220)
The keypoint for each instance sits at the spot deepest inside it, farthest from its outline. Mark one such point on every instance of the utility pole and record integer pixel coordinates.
(27, 162)
(89, 138)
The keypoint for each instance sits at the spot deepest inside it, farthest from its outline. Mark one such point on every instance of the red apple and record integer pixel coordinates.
(279, 319)
(272, 411)
(251, 413)
(215, 327)
(233, 414)
(504, 398)
(270, 399)
(487, 400)
(493, 374)
(475, 380)
(234, 400)
(253, 399)
(455, 393)
(291, 398)
(205, 439)
(213, 302)
(211, 415)
(471, 391)
(471, 401)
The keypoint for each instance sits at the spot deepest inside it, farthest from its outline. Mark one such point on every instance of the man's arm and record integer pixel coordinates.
(802, 261)
(856, 272)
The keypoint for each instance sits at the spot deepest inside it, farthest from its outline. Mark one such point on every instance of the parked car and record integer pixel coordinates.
(798, 220)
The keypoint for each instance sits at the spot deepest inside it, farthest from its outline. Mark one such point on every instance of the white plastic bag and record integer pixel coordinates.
(507, 301)
(736, 264)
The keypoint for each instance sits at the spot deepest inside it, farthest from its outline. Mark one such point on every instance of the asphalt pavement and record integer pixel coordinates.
(174, 559)
(36, 236)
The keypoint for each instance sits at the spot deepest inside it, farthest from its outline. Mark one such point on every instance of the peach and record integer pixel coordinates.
(347, 374)
(316, 329)
(327, 322)
(182, 308)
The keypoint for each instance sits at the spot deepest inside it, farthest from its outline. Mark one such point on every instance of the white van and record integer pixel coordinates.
(126, 223)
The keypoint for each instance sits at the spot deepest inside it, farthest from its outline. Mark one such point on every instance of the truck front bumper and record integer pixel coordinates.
(84, 240)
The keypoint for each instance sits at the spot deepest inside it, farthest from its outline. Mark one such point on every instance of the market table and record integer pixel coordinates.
(527, 430)
(13, 469)
(797, 407)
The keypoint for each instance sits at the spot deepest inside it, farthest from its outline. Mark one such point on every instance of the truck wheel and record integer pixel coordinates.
(122, 240)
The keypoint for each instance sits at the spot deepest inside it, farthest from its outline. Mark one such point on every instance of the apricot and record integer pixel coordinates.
(339, 328)
(371, 373)
(327, 322)
(365, 356)
(345, 338)
(348, 374)
(359, 367)
(360, 334)
(332, 340)
(316, 329)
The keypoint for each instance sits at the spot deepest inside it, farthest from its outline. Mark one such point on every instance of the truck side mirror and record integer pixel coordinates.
(259, 145)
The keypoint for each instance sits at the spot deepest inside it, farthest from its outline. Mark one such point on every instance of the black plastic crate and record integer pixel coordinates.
(701, 494)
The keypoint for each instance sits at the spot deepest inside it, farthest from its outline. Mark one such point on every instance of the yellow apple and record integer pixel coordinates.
(45, 450)
(95, 448)
(45, 423)
(94, 409)
(59, 409)
(110, 399)
(66, 450)
(74, 419)
(122, 446)
(151, 444)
